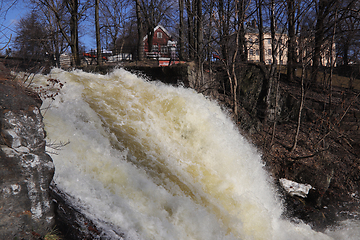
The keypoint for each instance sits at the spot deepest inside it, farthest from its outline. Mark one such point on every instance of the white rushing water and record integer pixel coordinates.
(160, 162)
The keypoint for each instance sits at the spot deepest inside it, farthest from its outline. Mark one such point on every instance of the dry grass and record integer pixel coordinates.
(53, 235)
(337, 81)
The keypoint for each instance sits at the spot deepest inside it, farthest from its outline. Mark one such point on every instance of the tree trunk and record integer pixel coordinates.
(200, 40)
(323, 10)
(74, 32)
(200, 36)
(292, 41)
(242, 40)
(273, 133)
(97, 27)
(270, 114)
(140, 43)
(302, 102)
(242, 46)
(332, 63)
(261, 33)
(319, 40)
(150, 35)
(346, 53)
(223, 32)
(191, 30)
(210, 30)
(275, 47)
(181, 30)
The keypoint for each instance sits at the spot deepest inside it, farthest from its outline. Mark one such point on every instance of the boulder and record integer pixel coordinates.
(73, 222)
(26, 209)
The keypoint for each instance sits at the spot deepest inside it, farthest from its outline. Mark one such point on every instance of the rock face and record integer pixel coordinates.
(26, 210)
(73, 223)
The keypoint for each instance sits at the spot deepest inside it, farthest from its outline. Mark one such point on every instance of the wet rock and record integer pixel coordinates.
(74, 224)
(26, 210)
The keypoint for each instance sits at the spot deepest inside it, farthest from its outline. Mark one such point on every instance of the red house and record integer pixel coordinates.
(162, 46)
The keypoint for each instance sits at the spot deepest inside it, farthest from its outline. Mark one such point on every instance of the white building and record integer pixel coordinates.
(304, 50)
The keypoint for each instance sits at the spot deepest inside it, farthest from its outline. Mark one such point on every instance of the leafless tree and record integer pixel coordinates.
(191, 27)
(97, 30)
(348, 32)
(32, 40)
(72, 10)
(114, 17)
(273, 83)
(199, 34)
(323, 8)
(229, 22)
(259, 4)
(58, 42)
(181, 30)
(140, 49)
(301, 107)
(291, 40)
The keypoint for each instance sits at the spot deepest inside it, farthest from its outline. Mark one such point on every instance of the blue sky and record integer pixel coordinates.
(14, 14)
(8, 21)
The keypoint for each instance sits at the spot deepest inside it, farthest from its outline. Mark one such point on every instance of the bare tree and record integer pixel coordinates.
(140, 49)
(291, 40)
(191, 20)
(302, 102)
(31, 41)
(230, 39)
(348, 28)
(259, 4)
(114, 17)
(181, 30)
(273, 83)
(323, 8)
(75, 11)
(38, 32)
(199, 35)
(97, 30)
(58, 42)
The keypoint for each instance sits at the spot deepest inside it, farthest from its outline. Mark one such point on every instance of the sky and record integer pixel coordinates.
(9, 20)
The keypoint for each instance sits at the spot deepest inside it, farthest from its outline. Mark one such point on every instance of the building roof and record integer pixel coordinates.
(156, 28)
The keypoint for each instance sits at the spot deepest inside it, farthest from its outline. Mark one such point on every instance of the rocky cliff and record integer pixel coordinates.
(26, 209)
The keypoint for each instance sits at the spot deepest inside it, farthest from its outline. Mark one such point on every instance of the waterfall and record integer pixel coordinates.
(160, 162)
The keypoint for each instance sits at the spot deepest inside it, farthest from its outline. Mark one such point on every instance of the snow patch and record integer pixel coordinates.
(294, 188)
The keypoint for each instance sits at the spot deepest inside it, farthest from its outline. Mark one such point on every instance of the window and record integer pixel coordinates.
(269, 51)
(159, 34)
(269, 40)
(164, 49)
(251, 52)
(155, 48)
(257, 52)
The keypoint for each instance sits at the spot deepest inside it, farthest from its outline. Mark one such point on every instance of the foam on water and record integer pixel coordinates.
(160, 162)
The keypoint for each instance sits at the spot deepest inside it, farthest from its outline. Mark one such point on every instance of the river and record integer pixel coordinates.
(162, 162)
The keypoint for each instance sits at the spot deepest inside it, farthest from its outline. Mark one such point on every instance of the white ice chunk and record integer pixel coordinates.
(294, 188)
